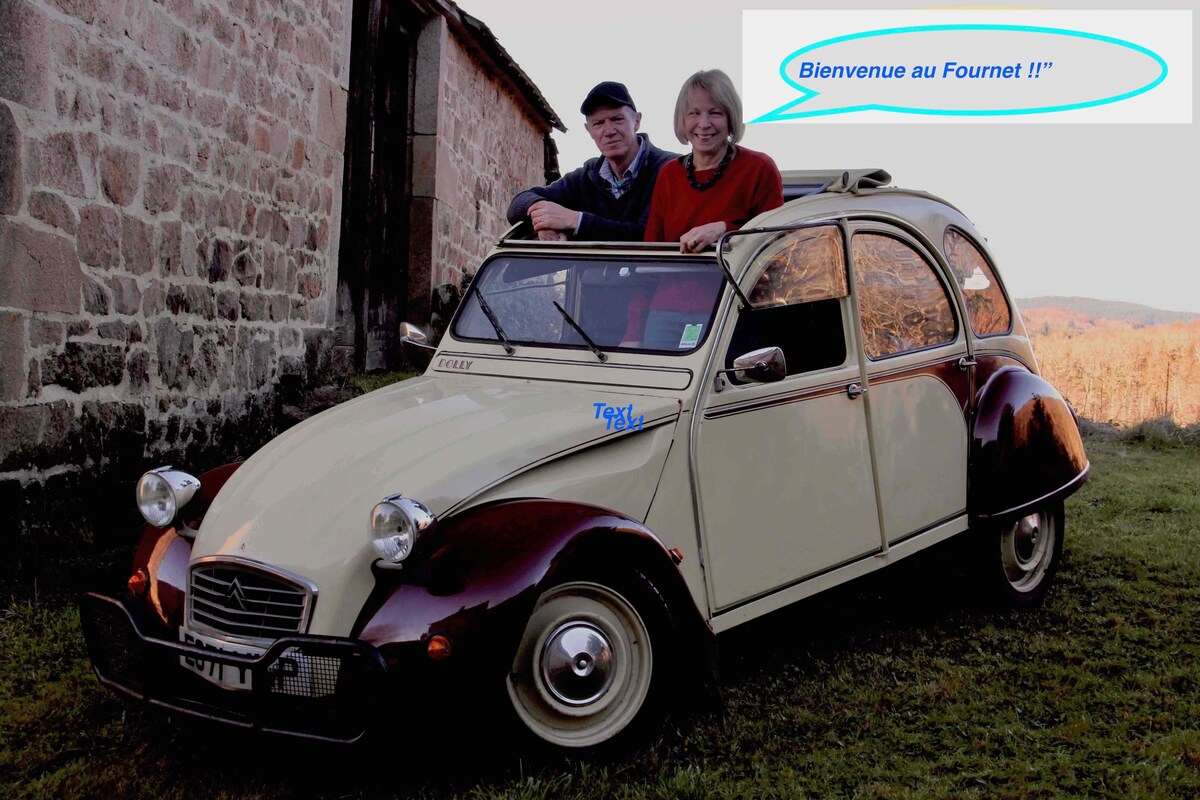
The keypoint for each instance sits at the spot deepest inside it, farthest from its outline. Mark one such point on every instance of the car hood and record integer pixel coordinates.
(302, 502)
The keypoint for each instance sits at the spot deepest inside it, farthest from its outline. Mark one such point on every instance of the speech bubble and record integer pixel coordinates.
(966, 70)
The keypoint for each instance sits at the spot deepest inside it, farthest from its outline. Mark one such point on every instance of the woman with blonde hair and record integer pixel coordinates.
(720, 185)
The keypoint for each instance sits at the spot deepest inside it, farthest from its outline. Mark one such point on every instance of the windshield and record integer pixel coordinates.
(644, 305)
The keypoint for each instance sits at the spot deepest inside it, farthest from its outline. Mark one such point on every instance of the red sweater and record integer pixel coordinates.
(750, 185)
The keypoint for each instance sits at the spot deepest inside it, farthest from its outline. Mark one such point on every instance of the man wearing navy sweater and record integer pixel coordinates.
(608, 198)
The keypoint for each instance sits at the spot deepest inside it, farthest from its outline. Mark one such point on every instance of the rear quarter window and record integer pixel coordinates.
(987, 308)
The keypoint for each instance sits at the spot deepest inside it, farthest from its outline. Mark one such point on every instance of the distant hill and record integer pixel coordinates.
(1084, 311)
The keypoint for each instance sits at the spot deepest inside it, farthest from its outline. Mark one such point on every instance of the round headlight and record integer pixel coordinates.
(396, 524)
(162, 492)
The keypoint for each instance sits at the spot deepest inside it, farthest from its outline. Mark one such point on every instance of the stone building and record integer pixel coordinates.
(206, 204)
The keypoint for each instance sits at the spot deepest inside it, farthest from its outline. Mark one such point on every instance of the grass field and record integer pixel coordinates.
(904, 686)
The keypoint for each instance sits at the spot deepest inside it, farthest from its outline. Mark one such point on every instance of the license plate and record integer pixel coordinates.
(299, 674)
(227, 676)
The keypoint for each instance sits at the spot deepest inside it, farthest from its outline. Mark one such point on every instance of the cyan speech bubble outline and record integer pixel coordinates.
(782, 113)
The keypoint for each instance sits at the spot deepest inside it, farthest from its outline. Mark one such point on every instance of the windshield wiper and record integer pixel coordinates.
(487, 310)
(600, 354)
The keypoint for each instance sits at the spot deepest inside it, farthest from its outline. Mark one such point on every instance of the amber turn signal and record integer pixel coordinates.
(139, 582)
(438, 648)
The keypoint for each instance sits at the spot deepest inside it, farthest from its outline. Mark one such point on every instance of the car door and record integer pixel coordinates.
(918, 381)
(784, 468)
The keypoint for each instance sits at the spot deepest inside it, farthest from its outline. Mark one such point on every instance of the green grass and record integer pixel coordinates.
(362, 382)
(903, 686)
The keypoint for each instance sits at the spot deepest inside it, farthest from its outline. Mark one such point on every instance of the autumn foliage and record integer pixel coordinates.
(1119, 372)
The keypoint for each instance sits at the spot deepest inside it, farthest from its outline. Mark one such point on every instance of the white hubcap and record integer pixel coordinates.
(582, 670)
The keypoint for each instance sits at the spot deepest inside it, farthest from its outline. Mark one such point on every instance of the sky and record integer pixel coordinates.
(1091, 207)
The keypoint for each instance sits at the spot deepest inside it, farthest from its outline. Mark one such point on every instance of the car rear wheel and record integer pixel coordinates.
(586, 671)
(1030, 551)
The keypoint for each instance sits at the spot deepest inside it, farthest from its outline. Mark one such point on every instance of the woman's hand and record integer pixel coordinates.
(700, 237)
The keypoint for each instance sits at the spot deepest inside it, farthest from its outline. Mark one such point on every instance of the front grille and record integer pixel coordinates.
(245, 601)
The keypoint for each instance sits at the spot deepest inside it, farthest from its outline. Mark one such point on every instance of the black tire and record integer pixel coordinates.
(591, 668)
(1023, 555)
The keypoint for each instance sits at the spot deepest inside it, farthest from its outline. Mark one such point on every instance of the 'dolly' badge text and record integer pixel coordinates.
(454, 363)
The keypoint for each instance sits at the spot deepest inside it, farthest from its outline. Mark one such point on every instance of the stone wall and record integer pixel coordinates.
(474, 147)
(170, 181)
(170, 199)
(494, 152)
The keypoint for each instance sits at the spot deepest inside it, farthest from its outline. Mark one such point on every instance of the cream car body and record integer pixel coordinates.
(846, 384)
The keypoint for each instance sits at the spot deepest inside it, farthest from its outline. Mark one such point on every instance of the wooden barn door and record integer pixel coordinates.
(373, 254)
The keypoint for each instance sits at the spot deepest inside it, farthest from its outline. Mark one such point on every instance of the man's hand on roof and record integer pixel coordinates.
(552, 236)
(548, 216)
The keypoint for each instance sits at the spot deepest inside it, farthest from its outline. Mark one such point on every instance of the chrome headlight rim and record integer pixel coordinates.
(397, 523)
(160, 494)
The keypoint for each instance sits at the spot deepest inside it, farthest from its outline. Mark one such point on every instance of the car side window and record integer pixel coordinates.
(903, 304)
(986, 307)
(796, 304)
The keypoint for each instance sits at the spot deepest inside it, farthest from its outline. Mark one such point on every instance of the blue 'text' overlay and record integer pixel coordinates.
(787, 112)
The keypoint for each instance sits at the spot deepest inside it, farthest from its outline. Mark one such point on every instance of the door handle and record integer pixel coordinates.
(854, 390)
(966, 362)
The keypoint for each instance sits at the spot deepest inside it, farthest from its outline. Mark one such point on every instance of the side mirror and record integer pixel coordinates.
(765, 365)
(411, 334)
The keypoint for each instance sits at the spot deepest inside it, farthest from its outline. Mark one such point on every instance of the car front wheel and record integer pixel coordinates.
(586, 669)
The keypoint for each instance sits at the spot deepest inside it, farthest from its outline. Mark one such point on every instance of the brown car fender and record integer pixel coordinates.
(477, 581)
(1026, 449)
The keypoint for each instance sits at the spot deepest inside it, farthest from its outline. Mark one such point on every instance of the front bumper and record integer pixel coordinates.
(337, 702)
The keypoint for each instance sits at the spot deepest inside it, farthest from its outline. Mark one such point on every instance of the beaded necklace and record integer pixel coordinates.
(691, 170)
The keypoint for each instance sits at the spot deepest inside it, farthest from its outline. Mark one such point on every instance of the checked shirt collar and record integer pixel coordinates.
(619, 187)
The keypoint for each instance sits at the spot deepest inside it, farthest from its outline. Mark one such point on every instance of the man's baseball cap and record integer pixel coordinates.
(608, 93)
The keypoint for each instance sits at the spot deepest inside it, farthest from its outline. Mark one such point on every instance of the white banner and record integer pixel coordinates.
(1026, 66)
